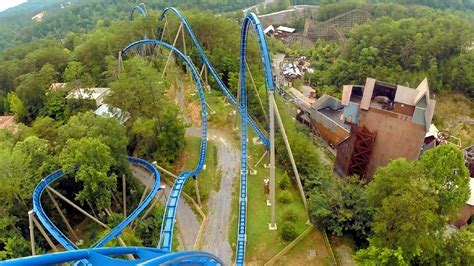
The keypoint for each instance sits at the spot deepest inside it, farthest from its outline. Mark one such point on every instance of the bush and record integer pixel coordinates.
(285, 197)
(290, 216)
(288, 231)
(284, 183)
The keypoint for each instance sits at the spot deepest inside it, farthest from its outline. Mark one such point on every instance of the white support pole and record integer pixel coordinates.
(164, 170)
(32, 232)
(77, 207)
(122, 243)
(261, 158)
(157, 199)
(124, 194)
(63, 217)
(171, 52)
(40, 228)
(290, 154)
(272, 225)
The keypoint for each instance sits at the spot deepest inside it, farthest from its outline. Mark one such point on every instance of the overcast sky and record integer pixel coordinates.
(4, 4)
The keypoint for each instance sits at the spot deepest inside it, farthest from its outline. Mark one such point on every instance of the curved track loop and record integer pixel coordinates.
(167, 227)
(213, 72)
(140, 8)
(60, 237)
(101, 256)
(250, 19)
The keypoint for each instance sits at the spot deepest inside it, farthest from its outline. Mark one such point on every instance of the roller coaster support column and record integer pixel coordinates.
(56, 205)
(196, 187)
(271, 97)
(124, 194)
(77, 207)
(40, 228)
(290, 153)
(32, 232)
(171, 52)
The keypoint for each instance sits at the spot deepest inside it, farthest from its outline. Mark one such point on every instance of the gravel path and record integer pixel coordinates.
(186, 220)
(215, 235)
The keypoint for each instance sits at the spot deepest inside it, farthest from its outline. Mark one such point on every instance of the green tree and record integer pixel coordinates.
(340, 207)
(444, 169)
(17, 106)
(90, 161)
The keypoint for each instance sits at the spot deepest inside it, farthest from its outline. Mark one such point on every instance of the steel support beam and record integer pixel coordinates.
(32, 232)
(77, 207)
(272, 225)
(41, 229)
(63, 217)
(290, 154)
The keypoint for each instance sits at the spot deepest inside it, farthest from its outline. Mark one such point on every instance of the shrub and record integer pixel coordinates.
(288, 231)
(285, 197)
(290, 216)
(284, 183)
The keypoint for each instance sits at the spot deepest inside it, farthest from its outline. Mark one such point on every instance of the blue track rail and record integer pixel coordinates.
(98, 255)
(249, 20)
(167, 228)
(214, 74)
(101, 256)
(140, 8)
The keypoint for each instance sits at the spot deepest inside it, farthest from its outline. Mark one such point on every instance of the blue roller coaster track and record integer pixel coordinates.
(97, 254)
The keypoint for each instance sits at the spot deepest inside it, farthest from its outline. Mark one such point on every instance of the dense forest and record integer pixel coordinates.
(79, 45)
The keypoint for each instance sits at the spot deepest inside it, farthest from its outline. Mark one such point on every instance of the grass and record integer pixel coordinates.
(209, 179)
(454, 113)
(263, 244)
(300, 254)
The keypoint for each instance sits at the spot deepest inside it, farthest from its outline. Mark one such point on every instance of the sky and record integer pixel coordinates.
(5, 4)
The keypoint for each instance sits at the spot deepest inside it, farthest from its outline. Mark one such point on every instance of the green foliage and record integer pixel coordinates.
(17, 106)
(288, 231)
(107, 130)
(290, 216)
(90, 161)
(148, 229)
(444, 169)
(285, 197)
(373, 256)
(340, 206)
(284, 182)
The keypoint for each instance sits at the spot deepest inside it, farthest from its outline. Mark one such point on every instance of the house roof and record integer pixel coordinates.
(268, 29)
(87, 93)
(286, 29)
(6, 121)
(405, 95)
(57, 86)
(470, 201)
(109, 111)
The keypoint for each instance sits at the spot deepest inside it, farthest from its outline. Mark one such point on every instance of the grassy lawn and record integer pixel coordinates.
(263, 244)
(209, 179)
(309, 251)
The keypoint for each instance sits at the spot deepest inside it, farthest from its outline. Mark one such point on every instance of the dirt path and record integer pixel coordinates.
(187, 221)
(215, 235)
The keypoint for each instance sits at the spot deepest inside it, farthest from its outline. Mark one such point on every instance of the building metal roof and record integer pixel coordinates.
(346, 94)
(422, 90)
(405, 95)
(368, 91)
(88, 93)
(286, 29)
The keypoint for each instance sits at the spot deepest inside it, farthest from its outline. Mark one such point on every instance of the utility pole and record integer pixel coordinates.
(272, 226)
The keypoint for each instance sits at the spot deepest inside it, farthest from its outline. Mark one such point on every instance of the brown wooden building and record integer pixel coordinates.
(387, 122)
